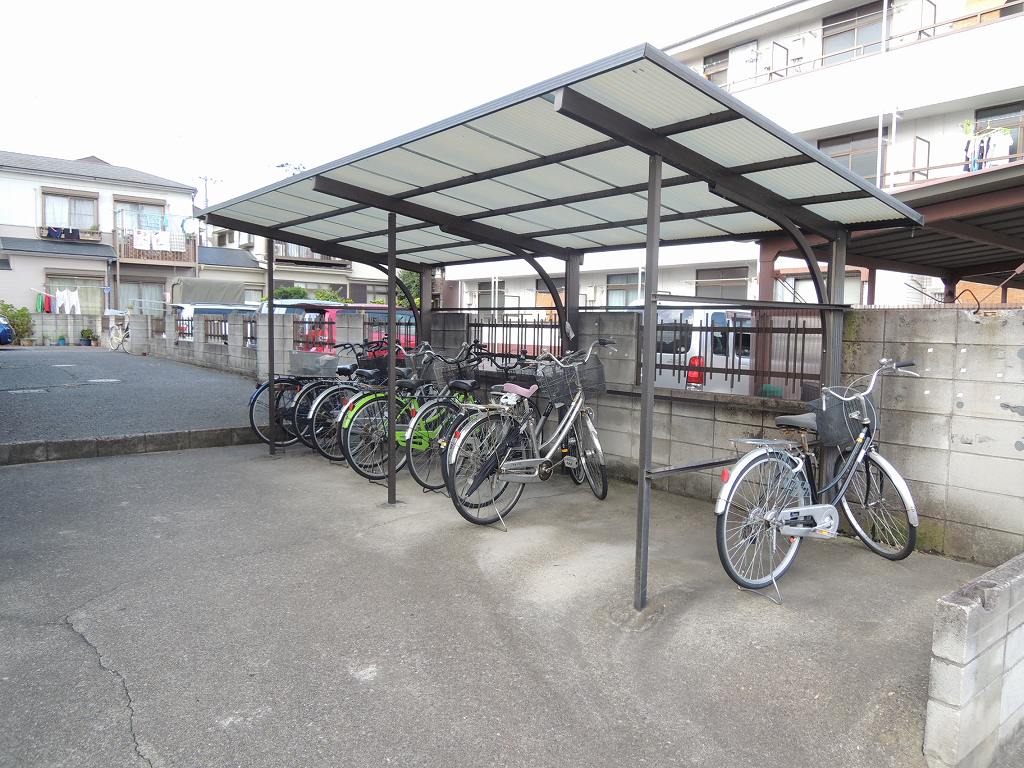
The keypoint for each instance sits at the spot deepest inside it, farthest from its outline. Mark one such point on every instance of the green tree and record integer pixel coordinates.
(326, 294)
(412, 282)
(290, 292)
(20, 320)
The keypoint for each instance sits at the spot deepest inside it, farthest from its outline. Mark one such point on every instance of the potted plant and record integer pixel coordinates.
(87, 335)
(61, 341)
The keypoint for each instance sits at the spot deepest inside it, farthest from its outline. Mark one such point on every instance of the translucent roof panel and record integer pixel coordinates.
(562, 166)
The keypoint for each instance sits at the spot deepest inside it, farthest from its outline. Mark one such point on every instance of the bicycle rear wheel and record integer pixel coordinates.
(426, 449)
(259, 417)
(327, 411)
(365, 439)
(752, 550)
(878, 509)
(473, 485)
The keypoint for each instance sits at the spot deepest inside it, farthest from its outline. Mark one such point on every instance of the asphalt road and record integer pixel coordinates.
(222, 608)
(53, 393)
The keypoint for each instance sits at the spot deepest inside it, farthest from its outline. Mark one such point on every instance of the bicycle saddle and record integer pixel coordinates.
(808, 421)
(515, 389)
(463, 385)
(366, 374)
(410, 384)
(347, 370)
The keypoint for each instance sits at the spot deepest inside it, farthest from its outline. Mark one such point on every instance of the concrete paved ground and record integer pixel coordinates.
(53, 393)
(220, 608)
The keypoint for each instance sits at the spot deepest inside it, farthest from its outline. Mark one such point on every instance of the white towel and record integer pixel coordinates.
(73, 302)
(62, 301)
(141, 240)
(161, 241)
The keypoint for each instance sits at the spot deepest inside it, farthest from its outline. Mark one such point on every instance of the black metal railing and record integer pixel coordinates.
(249, 332)
(313, 335)
(512, 335)
(183, 329)
(376, 328)
(216, 329)
(764, 352)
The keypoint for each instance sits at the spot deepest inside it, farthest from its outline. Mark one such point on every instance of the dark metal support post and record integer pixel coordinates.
(833, 362)
(949, 289)
(643, 495)
(392, 410)
(272, 394)
(426, 297)
(572, 296)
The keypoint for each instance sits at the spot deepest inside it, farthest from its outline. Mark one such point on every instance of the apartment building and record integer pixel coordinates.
(117, 237)
(233, 255)
(903, 92)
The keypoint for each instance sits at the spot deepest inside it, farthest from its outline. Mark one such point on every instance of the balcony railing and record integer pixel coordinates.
(894, 40)
(155, 238)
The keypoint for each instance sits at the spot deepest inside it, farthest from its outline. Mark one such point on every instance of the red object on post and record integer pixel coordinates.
(692, 376)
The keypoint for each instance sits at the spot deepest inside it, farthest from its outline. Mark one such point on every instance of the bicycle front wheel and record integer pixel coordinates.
(878, 507)
(327, 412)
(259, 418)
(473, 485)
(426, 447)
(752, 550)
(365, 439)
(592, 457)
(302, 409)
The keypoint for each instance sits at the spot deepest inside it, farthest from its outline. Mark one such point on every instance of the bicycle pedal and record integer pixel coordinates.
(570, 462)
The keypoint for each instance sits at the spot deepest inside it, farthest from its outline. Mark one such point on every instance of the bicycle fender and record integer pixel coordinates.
(737, 470)
(356, 404)
(256, 391)
(901, 485)
(416, 419)
(589, 423)
(453, 447)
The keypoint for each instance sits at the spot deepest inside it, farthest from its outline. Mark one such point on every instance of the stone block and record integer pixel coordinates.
(693, 407)
(922, 396)
(953, 733)
(120, 445)
(166, 441)
(989, 510)
(616, 443)
(956, 685)
(861, 356)
(935, 326)
(970, 620)
(989, 400)
(243, 436)
(981, 545)
(725, 432)
(929, 498)
(928, 465)
(209, 438)
(26, 452)
(934, 360)
(923, 430)
(1004, 328)
(1014, 646)
(1010, 729)
(1012, 692)
(990, 437)
(692, 430)
(732, 414)
(931, 534)
(864, 325)
(58, 450)
(994, 364)
(986, 473)
(692, 484)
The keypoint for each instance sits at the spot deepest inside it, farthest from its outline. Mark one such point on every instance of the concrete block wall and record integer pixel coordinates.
(234, 355)
(957, 433)
(975, 713)
(47, 328)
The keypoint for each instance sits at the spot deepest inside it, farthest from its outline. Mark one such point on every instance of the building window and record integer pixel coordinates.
(623, 289)
(922, 158)
(376, 294)
(484, 299)
(253, 295)
(67, 211)
(858, 152)
(142, 298)
(292, 251)
(998, 133)
(852, 33)
(90, 291)
(726, 283)
(149, 216)
(716, 68)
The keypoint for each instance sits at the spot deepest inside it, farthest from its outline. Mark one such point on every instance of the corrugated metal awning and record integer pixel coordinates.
(561, 167)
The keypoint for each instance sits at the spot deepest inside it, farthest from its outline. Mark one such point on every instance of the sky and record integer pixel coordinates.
(231, 90)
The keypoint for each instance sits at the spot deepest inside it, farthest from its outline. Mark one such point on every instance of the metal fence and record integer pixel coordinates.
(249, 332)
(313, 335)
(506, 335)
(740, 350)
(376, 328)
(183, 329)
(216, 329)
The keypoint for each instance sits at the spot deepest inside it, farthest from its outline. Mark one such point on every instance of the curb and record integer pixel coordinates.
(34, 451)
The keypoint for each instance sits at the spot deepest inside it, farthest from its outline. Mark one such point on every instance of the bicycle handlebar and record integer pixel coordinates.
(886, 364)
(570, 360)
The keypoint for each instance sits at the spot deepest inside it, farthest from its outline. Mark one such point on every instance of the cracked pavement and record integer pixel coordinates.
(221, 608)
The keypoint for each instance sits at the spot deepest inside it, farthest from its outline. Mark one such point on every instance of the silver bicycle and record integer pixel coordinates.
(501, 448)
(770, 502)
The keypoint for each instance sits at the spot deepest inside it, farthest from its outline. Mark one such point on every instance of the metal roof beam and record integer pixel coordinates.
(480, 233)
(720, 179)
(964, 231)
(327, 249)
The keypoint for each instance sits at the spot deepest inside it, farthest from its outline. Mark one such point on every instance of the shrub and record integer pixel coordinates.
(326, 294)
(290, 292)
(20, 319)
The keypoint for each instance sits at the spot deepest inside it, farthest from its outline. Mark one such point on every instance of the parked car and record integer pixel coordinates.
(6, 331)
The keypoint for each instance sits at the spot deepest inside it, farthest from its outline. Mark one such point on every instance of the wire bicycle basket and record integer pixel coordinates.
(560, 384)
(839, 422)
(443, 373)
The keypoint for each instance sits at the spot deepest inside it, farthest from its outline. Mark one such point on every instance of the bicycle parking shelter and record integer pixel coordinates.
(633, 151)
